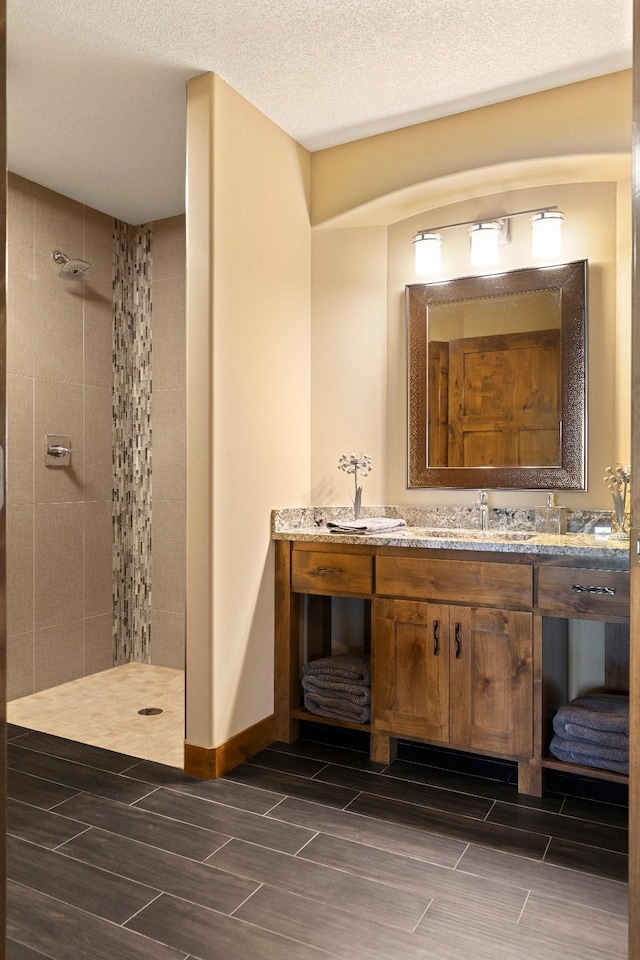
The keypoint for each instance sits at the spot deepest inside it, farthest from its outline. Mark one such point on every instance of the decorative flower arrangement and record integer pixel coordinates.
(350, 463)
(618, 483)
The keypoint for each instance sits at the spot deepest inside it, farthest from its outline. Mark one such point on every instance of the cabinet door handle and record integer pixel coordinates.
(436, 638)
(577, 588)
(458, 641)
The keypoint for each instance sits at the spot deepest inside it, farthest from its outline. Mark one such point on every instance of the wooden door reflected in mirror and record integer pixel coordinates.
(497, 380)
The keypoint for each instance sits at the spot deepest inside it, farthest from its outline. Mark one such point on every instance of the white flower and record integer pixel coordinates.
(351, 463)
(616, 478)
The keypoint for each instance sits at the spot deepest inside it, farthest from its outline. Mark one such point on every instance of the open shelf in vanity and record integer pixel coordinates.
(499, 667)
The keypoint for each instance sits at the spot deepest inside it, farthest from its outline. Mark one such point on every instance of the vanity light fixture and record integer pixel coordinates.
(484, 243)
(428, 253)
(486, 236)
(546, 234)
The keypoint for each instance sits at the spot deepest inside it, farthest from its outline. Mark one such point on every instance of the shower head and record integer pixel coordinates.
(70, 269)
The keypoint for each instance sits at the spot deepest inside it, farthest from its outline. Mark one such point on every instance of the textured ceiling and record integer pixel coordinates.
(96, 91)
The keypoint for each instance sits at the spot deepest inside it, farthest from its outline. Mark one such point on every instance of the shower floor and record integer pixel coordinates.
(102, 710)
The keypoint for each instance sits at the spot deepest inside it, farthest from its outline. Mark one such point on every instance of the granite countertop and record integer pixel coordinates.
(309, 524)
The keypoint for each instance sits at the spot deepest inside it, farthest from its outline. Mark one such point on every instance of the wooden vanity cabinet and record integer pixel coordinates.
(456, 675)
(468, 651)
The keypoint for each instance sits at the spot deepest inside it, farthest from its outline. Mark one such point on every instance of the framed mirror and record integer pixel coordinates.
(497, 380)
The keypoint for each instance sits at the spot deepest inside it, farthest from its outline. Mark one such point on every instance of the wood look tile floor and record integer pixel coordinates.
(308, 852)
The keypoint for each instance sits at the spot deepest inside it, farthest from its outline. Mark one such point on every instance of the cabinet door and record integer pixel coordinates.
(410, 656)
(491, 680)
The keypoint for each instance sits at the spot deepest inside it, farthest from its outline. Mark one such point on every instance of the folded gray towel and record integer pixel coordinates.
(576, 731)
(336, 708)
(354, 692)
(590, 755)
(596, 711)
(366, 525)
(342, 667)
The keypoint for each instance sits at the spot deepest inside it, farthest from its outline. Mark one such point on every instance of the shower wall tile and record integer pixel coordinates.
(169, 350)
(59, 350)
(98, 561)
(20, 568)
(21, 270)
(167, 639)
(58, 223)
(98, 443)
(168, 560)
(20, 309)
(98, 643)
(169, 248)
(98, 331)
(169, 444)
(58, 325)
(58, 654)
(20, 665)
(98, 243)
(58, 410)
(58, 563)
(20, 211)
(20, 439)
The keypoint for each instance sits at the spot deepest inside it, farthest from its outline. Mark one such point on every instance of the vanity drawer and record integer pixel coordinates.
(571, 591)
(485, 583)
(328, 573)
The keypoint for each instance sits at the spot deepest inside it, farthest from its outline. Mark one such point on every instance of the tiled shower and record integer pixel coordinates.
(76, 601)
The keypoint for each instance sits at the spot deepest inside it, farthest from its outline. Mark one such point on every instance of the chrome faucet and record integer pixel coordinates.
(483, 504)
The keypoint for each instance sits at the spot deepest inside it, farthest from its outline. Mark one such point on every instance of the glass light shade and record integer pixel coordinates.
(484, 243)
(428, 253)
(546, 234)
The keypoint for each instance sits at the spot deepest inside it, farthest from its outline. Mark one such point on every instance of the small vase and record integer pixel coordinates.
(621, 521)
(619, 483)
(357, 502)
(621, 534)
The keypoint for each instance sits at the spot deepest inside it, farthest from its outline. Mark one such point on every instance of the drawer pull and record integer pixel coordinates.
(609, 591)
(326, 572)
(458, 642)
(436, 638)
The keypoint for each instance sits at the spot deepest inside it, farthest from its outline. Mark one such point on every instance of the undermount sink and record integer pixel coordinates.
(456, 533)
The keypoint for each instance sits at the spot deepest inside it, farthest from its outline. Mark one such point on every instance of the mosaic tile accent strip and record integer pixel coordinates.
(132, 486)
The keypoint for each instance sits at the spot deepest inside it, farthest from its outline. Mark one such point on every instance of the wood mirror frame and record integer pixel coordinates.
(570, 280)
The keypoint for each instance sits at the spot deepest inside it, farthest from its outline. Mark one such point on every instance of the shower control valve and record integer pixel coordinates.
(57, 451)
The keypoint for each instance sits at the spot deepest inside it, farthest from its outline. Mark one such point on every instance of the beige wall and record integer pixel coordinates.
(384, 178)
(593, 148)
(590, 232)
(168, 414)
(368, 199)
(622, 382)
(248, 395)
(59, 381)
(349, 353)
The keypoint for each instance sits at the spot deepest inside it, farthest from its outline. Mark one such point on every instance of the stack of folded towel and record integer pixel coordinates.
(338, 687)
(594, 730)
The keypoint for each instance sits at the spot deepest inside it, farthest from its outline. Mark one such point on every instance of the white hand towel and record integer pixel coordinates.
(365, 525)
